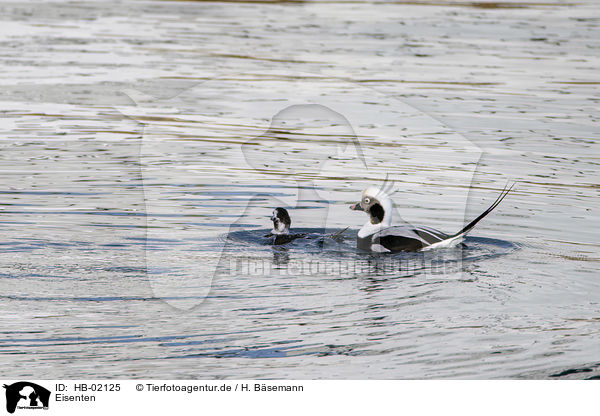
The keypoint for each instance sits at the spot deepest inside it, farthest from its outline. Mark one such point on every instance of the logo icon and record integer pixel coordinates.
(26, 395)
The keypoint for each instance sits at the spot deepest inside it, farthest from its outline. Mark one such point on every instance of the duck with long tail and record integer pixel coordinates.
(378, 234)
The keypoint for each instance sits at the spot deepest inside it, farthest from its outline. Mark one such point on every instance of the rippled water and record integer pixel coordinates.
(137, 137)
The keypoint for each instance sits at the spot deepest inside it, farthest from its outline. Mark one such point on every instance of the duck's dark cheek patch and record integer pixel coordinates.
(376, 212)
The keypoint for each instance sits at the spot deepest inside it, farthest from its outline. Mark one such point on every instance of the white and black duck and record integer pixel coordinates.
(378, 234)
(281, 228)
(280, 234)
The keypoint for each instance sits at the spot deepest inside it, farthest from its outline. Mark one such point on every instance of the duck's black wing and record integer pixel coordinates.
(279, 239)
(395, 243)
(401, 238)
(430, 235)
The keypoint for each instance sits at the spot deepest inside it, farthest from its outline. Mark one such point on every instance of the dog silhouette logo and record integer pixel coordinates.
(26, 395)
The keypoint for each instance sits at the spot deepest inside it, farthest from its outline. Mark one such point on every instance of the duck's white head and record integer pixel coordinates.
(377, 204)
(281, 221)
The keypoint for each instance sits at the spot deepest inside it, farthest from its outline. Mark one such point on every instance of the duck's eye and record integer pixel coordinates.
(367, 201)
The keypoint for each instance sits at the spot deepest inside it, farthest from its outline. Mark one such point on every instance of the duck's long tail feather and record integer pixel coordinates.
(457, 238)
(473, 223)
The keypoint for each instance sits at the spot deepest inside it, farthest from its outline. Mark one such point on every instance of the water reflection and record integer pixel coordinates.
(280, 256)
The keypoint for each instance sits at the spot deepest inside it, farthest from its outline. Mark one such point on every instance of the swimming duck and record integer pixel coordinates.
(281, 227)
(378, 234)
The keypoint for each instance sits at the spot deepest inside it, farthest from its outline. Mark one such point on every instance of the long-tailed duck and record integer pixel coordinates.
(380, 236)
(281, 227)
(281, 230)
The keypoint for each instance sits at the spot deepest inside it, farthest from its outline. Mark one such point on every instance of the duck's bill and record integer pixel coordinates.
(356, 207)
